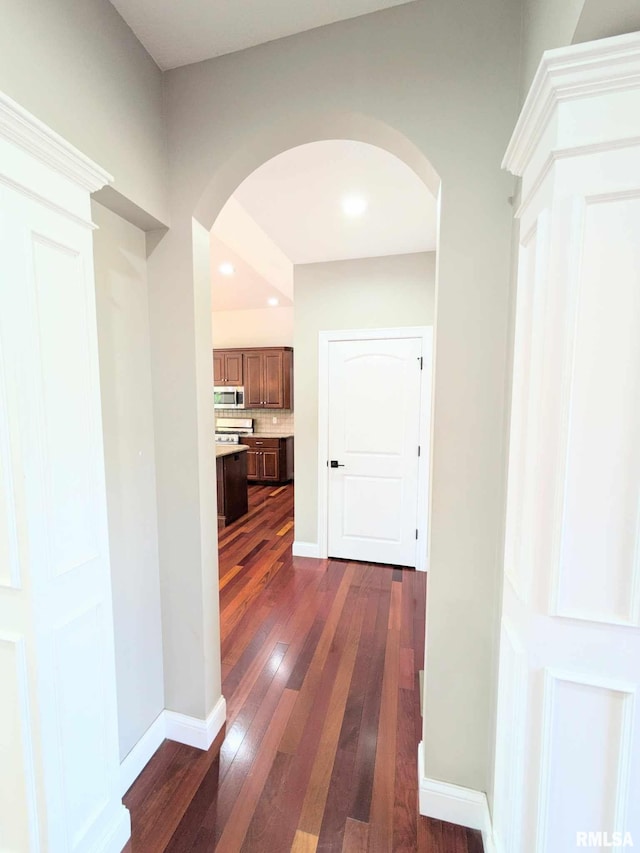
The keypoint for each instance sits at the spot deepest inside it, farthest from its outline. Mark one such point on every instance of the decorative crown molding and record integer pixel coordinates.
(25, 130)
(568, 73)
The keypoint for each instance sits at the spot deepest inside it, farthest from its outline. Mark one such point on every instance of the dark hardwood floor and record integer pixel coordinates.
(320, 663)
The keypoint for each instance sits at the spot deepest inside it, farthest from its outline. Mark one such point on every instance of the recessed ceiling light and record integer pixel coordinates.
(226, 268)
(272, 301)
(354, 205)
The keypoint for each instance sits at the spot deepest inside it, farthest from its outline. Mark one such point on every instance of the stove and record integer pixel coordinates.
(227, 438)
(231, 430)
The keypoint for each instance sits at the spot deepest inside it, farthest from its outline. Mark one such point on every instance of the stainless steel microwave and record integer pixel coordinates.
(228, 397)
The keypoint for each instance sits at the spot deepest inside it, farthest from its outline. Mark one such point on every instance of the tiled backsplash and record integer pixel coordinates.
(263, 419)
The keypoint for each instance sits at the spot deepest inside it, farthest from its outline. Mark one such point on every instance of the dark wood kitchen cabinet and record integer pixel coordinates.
(228, 367)
(268, 378)
(269, 460)
(231, 476)
(266, 374)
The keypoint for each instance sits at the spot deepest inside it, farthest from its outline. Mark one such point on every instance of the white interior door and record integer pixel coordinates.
(374, 429)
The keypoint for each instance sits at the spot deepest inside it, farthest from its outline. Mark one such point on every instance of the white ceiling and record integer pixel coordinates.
(289, 212)
(296, 199)
(179, 32)
(245, 289)
(241, 234)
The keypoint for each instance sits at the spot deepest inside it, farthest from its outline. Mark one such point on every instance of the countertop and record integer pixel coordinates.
(229, 449)
(269, 435)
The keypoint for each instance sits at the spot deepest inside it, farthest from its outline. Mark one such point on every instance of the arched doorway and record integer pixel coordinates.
(225, 178)
(285, 229)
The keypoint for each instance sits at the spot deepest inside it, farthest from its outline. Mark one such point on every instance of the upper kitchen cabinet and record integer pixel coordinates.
(268, 378)
(228, 367)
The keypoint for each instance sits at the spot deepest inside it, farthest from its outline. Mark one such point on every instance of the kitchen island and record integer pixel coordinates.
(270, 458)
(231, 477)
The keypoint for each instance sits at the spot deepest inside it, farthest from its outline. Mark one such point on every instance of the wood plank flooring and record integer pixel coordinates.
(320, 664)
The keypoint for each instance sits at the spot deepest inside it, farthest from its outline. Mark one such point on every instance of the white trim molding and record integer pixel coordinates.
(117, 835)
(570, 73)
(180, 728)
(30, 134)
(454, 804)
(306, 549)
(137, 759)
(193, 731)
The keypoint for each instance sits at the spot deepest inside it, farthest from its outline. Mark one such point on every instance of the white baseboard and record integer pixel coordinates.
(194, 732)
(118, 833)
(136, 760)
(306, 549)
(179, 727)
(453, 803)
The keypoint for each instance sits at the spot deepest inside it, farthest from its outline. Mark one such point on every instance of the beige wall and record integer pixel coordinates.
(601, 20)
(546, 24)
(77, 66)
(256, 327)
(125, 381)
(424, 80)
(371, 293)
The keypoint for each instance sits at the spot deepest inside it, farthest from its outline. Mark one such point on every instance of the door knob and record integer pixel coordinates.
(335, 464)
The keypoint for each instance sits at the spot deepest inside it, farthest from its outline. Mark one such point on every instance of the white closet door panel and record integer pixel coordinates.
(18, 806)
(59, 780)
(9, 549)
(587, 742)
(568, 732)
(522, 505)
(599, 560)
(65, 363)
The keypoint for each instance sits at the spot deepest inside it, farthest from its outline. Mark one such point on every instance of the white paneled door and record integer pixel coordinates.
(374, 429)
(568, 739)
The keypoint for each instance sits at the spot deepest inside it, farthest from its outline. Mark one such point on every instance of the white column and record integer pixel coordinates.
(59, 769)
(568, 739)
